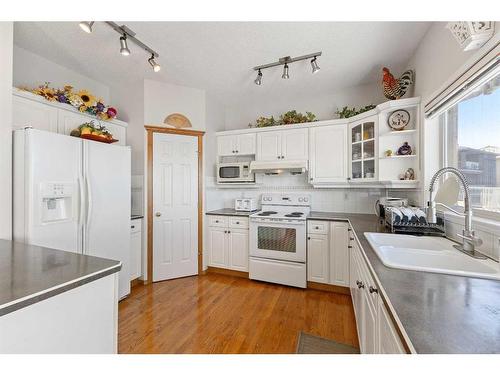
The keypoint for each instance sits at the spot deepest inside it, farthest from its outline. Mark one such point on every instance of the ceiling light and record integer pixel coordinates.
(154, 64)
(285, 72)
(315, 66)
(258, 80)
(123, 43)
(86, 26)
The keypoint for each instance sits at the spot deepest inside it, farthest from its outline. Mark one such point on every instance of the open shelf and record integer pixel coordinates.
(398, 156)
(399, 132)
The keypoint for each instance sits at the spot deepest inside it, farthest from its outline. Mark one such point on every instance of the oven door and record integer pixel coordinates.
(278, 240)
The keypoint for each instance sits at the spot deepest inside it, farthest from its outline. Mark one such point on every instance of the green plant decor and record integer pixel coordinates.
(288, 118)
(347, 112)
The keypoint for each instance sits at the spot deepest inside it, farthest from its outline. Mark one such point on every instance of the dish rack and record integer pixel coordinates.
(412, 220)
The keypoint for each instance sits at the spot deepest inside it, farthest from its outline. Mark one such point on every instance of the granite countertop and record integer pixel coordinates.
(30, 274)
(438, 313)
(230, 212)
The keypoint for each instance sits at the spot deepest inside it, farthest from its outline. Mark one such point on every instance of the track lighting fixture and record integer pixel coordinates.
(86, 26)
(125, 35)
(285, 61)
(315, 66)
(154, 64)
(124, 47)
(285, 72)
(258, 80)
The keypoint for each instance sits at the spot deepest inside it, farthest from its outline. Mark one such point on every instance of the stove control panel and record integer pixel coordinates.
(291, 199)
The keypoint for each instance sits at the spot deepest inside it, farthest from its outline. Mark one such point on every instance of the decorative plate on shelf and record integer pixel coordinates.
(398, 120)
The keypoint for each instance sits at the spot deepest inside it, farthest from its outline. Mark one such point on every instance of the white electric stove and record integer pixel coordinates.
(278, 239)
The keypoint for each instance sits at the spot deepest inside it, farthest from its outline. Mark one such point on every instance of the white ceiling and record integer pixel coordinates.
(219, 57)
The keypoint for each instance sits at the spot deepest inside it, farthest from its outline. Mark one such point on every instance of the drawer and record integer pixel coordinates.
(218, 221)
(135, 225)
(238, 222)
(319, 227)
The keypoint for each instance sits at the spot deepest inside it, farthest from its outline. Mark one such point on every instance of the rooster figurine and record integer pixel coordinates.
(396, 88)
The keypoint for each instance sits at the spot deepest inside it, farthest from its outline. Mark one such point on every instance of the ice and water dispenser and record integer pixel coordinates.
(57, 200)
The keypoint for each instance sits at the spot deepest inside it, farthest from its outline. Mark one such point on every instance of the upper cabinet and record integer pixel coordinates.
(282, 145)
(363, 149)
(234, 145)
(31, 110)
(328, 154)
(27, 112)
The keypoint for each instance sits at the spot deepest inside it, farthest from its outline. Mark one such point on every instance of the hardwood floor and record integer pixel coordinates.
(225, 314)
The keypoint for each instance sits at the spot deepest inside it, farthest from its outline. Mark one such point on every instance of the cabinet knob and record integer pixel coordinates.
(216, 221)
(311, 179)
(158, 214)
(225, 231)
(316, 227)
(360, 284)
(373, 290)
(228, 231)
(132, 226)
(237, 222)
(351, 238)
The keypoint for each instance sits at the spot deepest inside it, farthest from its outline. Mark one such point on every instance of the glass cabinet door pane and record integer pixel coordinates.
(368, 130)
(356, 170)
(356, 152)
(369, 169)
(368, 149)
(356, 133)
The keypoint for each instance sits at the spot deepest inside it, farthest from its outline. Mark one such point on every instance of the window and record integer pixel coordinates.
(472, 143)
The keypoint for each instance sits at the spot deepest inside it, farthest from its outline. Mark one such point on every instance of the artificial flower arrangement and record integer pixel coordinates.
(288, 118)
(83, 100)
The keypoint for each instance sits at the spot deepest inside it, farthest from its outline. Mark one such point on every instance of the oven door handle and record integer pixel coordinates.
(280, 223)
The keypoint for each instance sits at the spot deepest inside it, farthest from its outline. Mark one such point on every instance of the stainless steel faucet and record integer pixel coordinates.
(469, 240)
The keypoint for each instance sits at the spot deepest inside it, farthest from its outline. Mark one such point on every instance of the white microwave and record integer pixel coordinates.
(234, 172)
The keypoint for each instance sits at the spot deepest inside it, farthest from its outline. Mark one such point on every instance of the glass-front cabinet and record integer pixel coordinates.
(362, 146)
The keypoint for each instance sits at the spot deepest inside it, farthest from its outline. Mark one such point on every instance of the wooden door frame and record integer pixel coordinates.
(150, 129)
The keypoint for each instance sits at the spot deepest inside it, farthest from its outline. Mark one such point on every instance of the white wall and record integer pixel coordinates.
(32, 70)
(6, 44)
(240, 114)
(162, 99)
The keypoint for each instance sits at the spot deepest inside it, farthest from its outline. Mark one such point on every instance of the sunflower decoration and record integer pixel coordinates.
(88, 99)
(75, 100)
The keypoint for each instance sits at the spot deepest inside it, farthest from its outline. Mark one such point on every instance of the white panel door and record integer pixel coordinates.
(226, 145)
(27, 112)
(52, 158)
(246, 144)
(67, 121)
(217, 244)
(318, 258)
(175, 206)
(328, 154)
(107, 226)
(238, 249)
(339, 254)
(269, 146)
(294, 144)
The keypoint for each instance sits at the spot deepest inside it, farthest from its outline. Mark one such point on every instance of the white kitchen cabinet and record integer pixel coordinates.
(234, 145)
(228, 242)
(282, 145)
(318, 258)
(135, 249)
(119, 132)
(376, 332)
(328, 154)
(26, 112)
(339, 253)
(328, 252)
(363, 149)
(67, 121)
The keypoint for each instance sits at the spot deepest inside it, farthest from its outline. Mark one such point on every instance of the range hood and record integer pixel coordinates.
(278, 167)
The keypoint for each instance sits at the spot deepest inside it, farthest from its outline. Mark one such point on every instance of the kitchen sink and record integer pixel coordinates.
(429, 254)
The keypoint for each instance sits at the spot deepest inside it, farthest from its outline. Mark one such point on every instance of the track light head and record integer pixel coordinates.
(315, 66)
(285, 72)
(86, 26)
(124, 47)
(154, 64)
(258, 80)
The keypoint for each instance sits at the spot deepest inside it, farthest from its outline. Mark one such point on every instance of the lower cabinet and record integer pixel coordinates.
(228, 243)
(376, 332)
(135, 249)
(328, 252)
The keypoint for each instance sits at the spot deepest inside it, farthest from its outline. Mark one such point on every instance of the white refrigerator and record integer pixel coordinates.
(74, 195)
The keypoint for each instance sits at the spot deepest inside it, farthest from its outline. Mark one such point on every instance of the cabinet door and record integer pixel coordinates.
(226, 145)
(369, 325)
(328, 154)
(269, 146)
(217, 247)
(135, 255)
(388, 338)
(318, 258)
(246, 144)
(119, 132)
(238, 249)
(27, 112)
(339, 253)
(294, 144)
(67, 121)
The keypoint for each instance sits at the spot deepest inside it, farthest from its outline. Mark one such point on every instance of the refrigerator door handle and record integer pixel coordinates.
(82, 207)
(89, 206)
